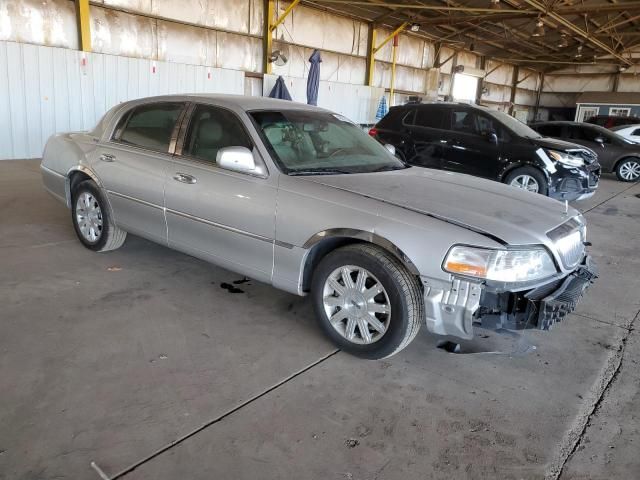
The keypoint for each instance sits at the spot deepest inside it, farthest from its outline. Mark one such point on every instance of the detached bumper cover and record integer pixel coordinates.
(549, 308)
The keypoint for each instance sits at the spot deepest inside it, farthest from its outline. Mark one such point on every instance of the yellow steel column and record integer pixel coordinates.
(84, 29)
(270, 25)
(269, 11)
(393, 70)
(371, 45)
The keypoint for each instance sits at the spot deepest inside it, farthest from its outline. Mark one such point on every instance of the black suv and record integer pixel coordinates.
(491, 144)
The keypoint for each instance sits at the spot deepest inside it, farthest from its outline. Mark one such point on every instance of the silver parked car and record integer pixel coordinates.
(301, 198)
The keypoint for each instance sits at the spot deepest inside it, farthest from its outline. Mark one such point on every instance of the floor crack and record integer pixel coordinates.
(574, 438)
(202, 427)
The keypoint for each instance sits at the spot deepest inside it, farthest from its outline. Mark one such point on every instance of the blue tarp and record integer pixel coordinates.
(313, 80)
(279, 90)
(383, 109)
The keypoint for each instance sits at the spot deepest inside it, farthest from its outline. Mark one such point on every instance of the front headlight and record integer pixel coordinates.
(500, 265)
(566, 158)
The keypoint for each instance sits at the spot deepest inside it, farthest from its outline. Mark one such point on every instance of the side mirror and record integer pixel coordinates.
(391, 148)
(492, 137)
(237, 159)
(599, 140)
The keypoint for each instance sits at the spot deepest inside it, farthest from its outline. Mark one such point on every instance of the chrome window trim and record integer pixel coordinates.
(114, 137)
(184, 130)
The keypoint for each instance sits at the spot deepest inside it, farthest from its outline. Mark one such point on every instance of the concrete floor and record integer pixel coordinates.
(115, 358)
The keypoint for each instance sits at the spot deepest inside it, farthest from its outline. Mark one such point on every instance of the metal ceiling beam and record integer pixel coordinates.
(409, 6)
(420, 6)
(577, 30)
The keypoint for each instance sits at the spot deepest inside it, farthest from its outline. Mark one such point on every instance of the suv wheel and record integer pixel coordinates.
(527, 178)
(628, 170)
(366, 301)
(92, 222)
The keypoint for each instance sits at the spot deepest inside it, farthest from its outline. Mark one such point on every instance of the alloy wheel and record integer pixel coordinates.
(356, 304)
(630, 170)
(526, 182)
(89, 217)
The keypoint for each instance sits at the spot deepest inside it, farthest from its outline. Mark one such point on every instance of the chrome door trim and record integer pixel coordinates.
(229, 228)
(134, 199)
(52, 172)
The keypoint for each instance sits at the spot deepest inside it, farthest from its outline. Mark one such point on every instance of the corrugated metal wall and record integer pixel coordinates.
(44, 90)
(356, 102)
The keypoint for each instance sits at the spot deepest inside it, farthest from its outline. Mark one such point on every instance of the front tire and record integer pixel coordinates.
(366, 301)
(91, 220)
(628, 170)
(528, 178)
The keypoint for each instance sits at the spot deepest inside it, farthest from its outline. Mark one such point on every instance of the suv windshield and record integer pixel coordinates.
(313, 143)
(513, 124)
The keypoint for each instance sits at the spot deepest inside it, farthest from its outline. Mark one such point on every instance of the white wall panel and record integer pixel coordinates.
(629, 83)
(356, 102)
(51, 22)
(502, 75)
(45, 90)
(314, 28)
(577, 83)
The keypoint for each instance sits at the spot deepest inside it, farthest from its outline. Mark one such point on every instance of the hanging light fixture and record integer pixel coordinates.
(563, 43)
(415, 27)
(495, 4)
(579, 52)
(539, 30)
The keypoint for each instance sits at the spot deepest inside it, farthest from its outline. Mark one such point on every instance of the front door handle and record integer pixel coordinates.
(107, 157)
(185, 178)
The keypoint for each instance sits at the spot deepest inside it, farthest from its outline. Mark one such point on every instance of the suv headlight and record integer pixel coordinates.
(566, 158)
(500, 265)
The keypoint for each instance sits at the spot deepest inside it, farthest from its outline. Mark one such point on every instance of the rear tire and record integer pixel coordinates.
(628, 169)
(92, 221)
(366, 301)
(528, 178)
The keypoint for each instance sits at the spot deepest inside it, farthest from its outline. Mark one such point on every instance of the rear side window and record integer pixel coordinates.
(392, 118)
(150, 126)
(636, 132)
(550, 130)
(430, 117)
(586, 134)
(213, 128)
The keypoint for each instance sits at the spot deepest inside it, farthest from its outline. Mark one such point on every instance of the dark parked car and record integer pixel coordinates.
(609, 121)
(615, 153)
(487, 143)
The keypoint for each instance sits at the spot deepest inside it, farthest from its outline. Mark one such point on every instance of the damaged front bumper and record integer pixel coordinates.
(453, 307)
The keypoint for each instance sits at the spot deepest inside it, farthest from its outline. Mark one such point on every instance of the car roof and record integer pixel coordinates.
(244, 102)
(441, 104)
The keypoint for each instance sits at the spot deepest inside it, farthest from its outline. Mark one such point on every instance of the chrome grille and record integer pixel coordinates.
(569, 239)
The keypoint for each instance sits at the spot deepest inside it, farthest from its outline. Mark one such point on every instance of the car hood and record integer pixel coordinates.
(513, 216)
(556, 144)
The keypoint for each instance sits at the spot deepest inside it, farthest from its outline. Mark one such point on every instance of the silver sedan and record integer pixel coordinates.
(301, 198)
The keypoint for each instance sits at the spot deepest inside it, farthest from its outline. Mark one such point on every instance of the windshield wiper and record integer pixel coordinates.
(389, 168)
(319, 171)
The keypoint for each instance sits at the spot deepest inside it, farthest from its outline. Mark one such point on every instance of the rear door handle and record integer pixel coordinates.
(107, 157)
(185, 178)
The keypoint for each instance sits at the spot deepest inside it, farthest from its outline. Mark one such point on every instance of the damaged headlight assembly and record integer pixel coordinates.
(509, 266)
(566, 158)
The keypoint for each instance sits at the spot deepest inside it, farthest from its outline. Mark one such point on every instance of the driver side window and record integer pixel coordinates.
(211, 129)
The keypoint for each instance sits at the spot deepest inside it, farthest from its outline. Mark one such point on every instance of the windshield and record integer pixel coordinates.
(513, 124)
(313, 143)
